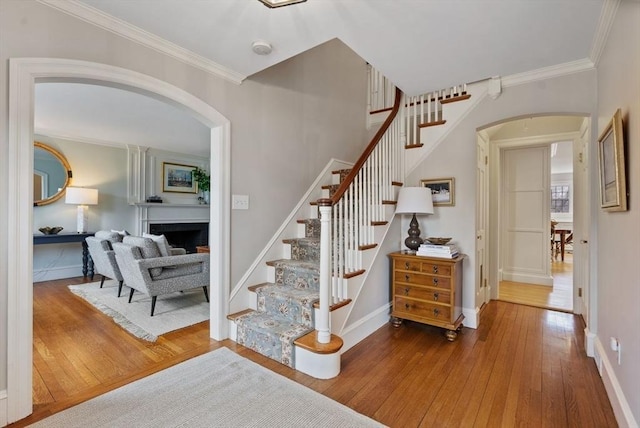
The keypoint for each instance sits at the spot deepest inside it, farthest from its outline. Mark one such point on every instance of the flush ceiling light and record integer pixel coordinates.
(261, 47)
(280, 3)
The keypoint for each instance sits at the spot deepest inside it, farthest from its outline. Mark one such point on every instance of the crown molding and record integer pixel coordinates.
(57, 135)
(607, 15)
(117, 26)
(548, 72)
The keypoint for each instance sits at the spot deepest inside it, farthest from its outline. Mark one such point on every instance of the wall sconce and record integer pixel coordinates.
(82, 198)
(414, 200)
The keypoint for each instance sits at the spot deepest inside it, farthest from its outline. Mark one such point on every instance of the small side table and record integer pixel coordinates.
(202, 249)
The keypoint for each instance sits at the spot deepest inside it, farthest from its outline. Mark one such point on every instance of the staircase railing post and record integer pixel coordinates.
(322, 325)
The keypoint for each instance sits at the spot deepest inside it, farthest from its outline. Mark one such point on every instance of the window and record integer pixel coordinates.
(560, 200)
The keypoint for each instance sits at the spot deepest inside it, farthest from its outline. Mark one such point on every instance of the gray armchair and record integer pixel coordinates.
(103, 256)
(145, 270)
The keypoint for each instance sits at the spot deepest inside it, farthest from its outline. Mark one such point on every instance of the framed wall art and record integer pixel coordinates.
(613, 189)
(178, 178)
(442, 189)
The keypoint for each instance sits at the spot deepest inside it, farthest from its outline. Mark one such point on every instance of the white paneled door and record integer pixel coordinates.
(525, 225)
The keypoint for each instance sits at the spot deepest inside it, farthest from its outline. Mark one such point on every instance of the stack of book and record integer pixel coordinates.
(445, 251)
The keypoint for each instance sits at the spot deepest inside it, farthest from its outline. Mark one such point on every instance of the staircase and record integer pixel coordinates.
(284, 315)
(297, 315)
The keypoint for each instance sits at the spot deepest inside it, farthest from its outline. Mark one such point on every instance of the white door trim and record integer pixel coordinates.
(23, 75)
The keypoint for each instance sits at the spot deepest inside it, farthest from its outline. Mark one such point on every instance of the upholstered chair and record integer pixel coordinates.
(144, 269)
(104, 258)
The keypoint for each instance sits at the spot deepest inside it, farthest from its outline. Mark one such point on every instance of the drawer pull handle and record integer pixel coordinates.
(406, 265)
(435, 269)
(435, 296)
(407, 306)
(435, 281)
(436, 312)
(406, 291)
(406, 277)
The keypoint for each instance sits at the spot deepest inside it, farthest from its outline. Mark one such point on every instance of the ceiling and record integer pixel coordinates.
(421, 45)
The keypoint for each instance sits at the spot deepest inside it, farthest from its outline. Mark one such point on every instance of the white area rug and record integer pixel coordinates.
(173, 311)
(217, 389)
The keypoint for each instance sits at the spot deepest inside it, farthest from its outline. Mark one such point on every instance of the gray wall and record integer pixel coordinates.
(286, 122)
(618, 233)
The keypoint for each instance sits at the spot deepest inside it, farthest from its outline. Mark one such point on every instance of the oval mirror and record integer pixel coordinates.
(51, 174)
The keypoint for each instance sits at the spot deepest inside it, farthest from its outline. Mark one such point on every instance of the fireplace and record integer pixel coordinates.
(183, 235)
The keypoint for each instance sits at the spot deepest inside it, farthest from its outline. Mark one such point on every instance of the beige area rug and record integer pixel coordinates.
(173, 311)
(217, 389)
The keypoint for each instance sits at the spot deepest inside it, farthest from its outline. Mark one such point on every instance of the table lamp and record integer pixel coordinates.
(82, 197)
(414, 200)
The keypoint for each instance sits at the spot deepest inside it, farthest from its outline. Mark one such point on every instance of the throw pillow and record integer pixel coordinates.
(161, 242)
(121, 232)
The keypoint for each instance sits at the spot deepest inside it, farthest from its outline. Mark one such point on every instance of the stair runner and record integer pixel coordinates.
(285, 308)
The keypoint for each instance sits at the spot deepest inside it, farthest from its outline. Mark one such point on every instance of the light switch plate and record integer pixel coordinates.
(240, 202)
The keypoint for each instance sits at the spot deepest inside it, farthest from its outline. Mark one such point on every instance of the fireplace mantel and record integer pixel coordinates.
(154, 213)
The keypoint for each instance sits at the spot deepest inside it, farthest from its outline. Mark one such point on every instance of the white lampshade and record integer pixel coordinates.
(415, 200)
(81, 196)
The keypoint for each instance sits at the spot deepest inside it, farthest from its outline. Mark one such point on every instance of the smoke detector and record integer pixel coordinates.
(261, 47)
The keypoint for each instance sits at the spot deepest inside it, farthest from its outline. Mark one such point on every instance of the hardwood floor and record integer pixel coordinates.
(559, 297)
(523, 366)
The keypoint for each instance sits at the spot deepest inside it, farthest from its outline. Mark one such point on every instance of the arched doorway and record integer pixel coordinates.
(24, 74)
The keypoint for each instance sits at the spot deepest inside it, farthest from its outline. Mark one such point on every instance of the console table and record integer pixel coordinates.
(64, 238)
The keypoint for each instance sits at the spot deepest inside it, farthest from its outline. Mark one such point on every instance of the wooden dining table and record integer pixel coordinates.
(562, 233)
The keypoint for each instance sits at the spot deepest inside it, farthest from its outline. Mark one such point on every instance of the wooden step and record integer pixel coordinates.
(462, 97)
(256, 287)
(353, 274)
(367, 247)
(413, 146)
(434, 123)
(389, 202)
(334, 306)
(233, 317)
(397, 183)
(310, 343)
(379, 223)
(381, 110)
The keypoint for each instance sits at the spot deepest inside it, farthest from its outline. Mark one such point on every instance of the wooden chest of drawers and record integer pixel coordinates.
(427, 290)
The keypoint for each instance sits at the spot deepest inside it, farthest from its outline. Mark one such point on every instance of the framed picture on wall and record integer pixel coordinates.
(613, 189)
(178, 178)
(442, 189)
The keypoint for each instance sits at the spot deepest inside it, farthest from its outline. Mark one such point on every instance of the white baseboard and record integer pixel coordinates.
(4, 418)
(471, 317)
(62, 272)
(589, 342)
(620, 405)
(356, 332)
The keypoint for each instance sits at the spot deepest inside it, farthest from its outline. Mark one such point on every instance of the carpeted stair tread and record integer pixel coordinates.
(294, 263)
(296, 304)
(304, 249)
(271, 335)
(311, 226)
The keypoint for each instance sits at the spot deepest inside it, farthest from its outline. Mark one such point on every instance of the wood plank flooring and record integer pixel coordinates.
(559, 297)
(523, 366)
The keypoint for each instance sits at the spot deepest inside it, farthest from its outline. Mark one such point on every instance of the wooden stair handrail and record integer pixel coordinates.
(367, 152)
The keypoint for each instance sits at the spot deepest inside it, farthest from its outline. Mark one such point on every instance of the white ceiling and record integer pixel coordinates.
(420, 45)
(106, 115)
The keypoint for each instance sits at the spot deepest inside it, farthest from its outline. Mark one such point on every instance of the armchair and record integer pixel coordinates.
(103, 256)
(145, 270)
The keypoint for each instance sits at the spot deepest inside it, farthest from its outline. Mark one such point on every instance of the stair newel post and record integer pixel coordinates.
(322, 325)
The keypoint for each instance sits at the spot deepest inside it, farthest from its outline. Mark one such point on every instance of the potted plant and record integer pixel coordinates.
(203, 179)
